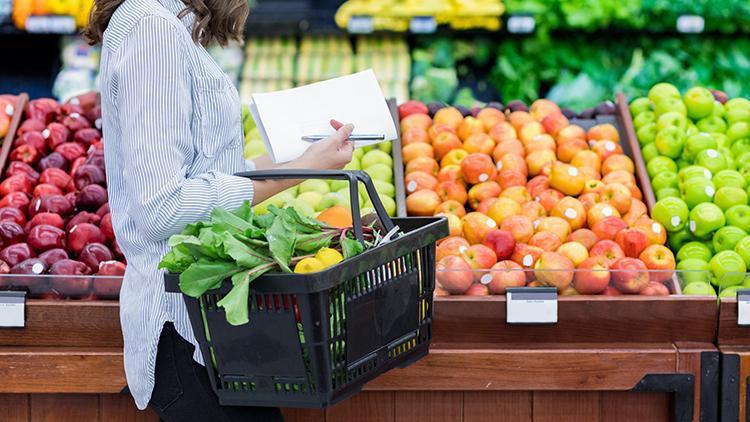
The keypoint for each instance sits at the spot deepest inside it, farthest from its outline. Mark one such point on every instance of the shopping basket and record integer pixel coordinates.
(315, 339)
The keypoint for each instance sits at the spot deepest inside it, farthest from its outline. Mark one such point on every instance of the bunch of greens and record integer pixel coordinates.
(243, 246)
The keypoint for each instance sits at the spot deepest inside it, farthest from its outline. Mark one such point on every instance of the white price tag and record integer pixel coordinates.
(521, 24)
(743, 307)
(51, 24)
(360, 25)
(422, 25)
(531, 305)
(12, 309)
(691, 24)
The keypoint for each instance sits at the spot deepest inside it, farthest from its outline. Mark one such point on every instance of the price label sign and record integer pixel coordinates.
(691, 24)
(360, 24)
(743, 307)
(521, 24)
(531, 305)
(423, 25)
(12, 309)
(51, 24)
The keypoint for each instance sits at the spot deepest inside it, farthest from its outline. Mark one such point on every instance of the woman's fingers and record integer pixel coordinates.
(336, 124)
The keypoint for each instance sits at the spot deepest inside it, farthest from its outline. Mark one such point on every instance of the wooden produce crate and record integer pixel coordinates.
(733, 341)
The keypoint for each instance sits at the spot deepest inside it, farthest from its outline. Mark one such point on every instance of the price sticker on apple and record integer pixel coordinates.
(521, 24)
(691, 24)
(12, 309)
(360, 24)
(531, 305)
(422, 25)
(743, 307)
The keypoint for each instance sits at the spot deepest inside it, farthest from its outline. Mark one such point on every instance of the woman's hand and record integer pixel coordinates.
(332, 153)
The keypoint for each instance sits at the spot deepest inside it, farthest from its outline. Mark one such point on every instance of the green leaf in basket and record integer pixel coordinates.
(313, 242)
(281, 243)
(230, 222)
(242, 254)
(204, 275)
(191, 245)
(235, 303)
(351, 247)
(244, 212)
(176, 261)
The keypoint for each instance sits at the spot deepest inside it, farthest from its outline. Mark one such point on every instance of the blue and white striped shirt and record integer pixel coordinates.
(173, 132)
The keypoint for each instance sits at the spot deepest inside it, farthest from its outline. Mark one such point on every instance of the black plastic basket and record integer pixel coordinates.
(315, 339)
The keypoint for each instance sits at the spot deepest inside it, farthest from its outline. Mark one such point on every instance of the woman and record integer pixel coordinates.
(173, 140)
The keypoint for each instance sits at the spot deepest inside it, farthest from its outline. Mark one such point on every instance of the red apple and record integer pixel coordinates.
(660, 260)
(451, 246)
(607, 249)
(608, 227)
(506, 274)
(502, 242)
(655, 289)
(454, 275)
(630, 275)
(632, 242)
(554, 269)
(592, 276)
(477, 289)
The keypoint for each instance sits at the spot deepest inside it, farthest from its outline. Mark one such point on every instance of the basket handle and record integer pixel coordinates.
(348, 175)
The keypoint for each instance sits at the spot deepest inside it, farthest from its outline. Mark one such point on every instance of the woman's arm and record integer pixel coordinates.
(153, 96)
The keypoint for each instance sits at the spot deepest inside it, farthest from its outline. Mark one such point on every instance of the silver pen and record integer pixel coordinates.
(353, 138)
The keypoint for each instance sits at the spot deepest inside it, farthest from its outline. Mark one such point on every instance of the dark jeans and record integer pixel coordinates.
(183, 391)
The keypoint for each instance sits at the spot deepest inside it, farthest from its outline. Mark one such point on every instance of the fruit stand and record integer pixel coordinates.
(734, 345)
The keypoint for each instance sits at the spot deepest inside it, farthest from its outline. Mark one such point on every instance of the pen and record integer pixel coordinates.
(354, 138)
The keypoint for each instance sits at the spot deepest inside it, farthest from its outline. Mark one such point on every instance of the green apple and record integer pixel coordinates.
(718, 110)
(358, 153)
(729, 292)
(705, 219)
(699, 288)
(667, 179)
(369, 148)
(745, 172)
(743, 158)
(381, 172)
(709, 244)
(721, 140)
(672, 213)
(389, 204)
(694, 250)
(693, 172)
(743, 249)
(649, 152)
(302, 208)
(680, 238)
(669, 141)
(729, 179)
(332, 199)
(663, 90)
(738, 103)
(696, 191)
(341, 184)
(711, 159)
(376, 157)
(279, 201)
(254, 149)
(312, 198)
(366, 211)
(729, 268)
(694, 270)
(728, 197)
(739, 216)
(639, 105)
(731, 164)
(738, 130)
(727, 237)
(699, 102)
(669, 105)
(314, 185)
(384, 188)
(712, 124)
(646, 134)
(386, 147)
(735, 115)
(691, 129)
(659, 165)
(740, 147)
(672, 119)
(697, 143)
(643, 119)
(667, 193)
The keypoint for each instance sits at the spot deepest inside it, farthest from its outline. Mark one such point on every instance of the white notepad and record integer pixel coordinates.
(284, 117)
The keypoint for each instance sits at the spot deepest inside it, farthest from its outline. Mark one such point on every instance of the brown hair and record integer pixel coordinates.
(217, 21)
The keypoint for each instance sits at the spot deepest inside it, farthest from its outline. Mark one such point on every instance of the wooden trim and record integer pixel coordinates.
(631, 139)
(61, 370)
(15, 122)
(532, 369)
(731, 334)
(582, 319)
(67, 324)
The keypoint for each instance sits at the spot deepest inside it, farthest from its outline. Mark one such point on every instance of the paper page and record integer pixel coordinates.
(284, 117)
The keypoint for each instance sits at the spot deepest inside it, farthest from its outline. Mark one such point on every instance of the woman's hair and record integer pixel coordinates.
(217, 21)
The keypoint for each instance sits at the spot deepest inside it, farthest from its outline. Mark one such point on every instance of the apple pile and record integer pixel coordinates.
(697, 150)
(54, 215)
(314, 197)
(531, 200)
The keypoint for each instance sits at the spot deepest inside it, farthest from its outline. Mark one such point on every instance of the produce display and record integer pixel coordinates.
(531, 200)
(77, 9)
(396, 15)
(54, 215)
(697, 152)
(7, 108)
(243, 246)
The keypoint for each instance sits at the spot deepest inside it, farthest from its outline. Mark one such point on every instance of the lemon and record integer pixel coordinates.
(329, 257)
(308, 265)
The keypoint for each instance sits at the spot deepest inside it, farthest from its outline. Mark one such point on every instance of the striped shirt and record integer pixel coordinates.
(173, 131)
